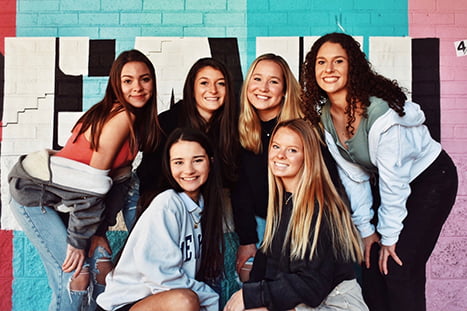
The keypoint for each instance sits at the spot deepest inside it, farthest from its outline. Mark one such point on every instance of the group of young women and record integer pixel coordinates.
(338, 171)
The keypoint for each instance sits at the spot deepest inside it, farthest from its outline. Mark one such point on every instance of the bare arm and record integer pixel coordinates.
(114, 134)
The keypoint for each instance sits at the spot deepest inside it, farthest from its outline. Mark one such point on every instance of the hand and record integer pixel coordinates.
(235, 302)
(384, 254)
(74, 260)
(244, 253)
(98, 241)
(367, 243)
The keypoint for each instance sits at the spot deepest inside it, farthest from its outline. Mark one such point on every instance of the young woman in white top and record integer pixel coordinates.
(371, 127)
(163, 266)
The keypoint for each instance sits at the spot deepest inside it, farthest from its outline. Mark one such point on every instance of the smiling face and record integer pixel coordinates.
(189, 166)
(209, 91)
(332, 70)
(286, 156)
(266, 89)
(137, 84)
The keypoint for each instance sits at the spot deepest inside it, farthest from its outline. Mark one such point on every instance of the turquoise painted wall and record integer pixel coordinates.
(269, 18)
(123, 20)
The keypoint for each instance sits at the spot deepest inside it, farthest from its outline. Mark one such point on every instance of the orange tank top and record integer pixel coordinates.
(81, 151)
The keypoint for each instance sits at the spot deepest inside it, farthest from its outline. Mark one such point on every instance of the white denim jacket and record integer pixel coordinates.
(401, 148)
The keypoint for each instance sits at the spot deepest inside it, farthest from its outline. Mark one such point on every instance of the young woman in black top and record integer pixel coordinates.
(269, 94)
(306, 261)
(208, 105)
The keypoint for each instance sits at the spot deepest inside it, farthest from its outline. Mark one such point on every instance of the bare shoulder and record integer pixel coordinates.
(120, 119)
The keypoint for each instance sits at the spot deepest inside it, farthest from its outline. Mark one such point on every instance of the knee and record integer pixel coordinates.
(186, 299)
(104, 266)
(81, 282)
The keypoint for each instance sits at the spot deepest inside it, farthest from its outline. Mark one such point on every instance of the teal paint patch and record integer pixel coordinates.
(93, 90)
(117, 241)
(315, 18)
(31, 291)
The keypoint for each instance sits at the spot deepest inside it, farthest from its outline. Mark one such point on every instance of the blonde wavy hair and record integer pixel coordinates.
(315, 194)
(249, 121)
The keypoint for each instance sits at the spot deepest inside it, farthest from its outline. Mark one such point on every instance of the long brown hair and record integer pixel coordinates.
(212, 259)
(145, 132)
(315, 196)
(222, 127)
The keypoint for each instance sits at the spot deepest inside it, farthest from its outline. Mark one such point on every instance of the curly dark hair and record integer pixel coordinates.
(363, 82)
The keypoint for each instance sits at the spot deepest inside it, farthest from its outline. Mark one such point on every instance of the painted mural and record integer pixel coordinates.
(55, 57)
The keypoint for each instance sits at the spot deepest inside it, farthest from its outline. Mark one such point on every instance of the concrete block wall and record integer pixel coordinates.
(256, 24)
(447, 271)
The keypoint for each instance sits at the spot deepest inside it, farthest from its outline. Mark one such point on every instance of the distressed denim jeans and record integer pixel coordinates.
(47, 232)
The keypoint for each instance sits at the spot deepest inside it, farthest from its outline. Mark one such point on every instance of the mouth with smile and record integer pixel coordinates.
(189, 178)
(262, 97)
(138, 97)
(331, 79)
(211, 98)
(281, 165)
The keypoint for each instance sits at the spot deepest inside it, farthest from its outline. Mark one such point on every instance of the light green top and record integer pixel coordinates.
(358, 150)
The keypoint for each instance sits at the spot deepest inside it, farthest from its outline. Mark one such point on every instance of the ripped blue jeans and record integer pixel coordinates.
(46, 230)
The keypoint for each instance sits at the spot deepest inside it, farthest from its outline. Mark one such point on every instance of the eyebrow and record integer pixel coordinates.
(131, 76)
(195, 157)
(270, 77)
(317, 57)
(203, 77)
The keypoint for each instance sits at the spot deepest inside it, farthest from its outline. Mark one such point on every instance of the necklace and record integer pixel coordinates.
(288, 200)
(196, 223)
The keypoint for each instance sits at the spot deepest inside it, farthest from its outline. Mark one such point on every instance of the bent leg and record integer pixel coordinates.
(46, 231)
(433, 195)
(171, 300)
(101, 264)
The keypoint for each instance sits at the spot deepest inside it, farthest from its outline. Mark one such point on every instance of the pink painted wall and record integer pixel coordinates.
(447, 269)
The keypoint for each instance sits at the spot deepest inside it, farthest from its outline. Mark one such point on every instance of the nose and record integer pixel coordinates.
(189, 168)
(330, 67)
(264, 86)
(281, 154)
(138, 86)
(213, 89)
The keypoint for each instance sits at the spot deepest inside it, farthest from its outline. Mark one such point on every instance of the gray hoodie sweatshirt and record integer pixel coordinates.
(41, 179)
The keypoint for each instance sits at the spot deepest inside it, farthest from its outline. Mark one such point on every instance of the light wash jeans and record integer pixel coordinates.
(47, 232)
(129, 210)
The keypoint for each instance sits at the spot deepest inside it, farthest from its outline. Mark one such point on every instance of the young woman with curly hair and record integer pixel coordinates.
(375, 134)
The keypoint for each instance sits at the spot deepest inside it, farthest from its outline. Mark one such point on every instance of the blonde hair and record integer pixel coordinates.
(249, 121)
(314, 198)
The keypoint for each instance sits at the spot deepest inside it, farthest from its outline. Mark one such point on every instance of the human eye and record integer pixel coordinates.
(274, 82)
(126, 81)
(199, 160)
(339, 61)
(147, 79)
(221, 83)
(275, 146)
(320, 62)
(258, 79)
(204, 83)
(293, 150)
(177, 162)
